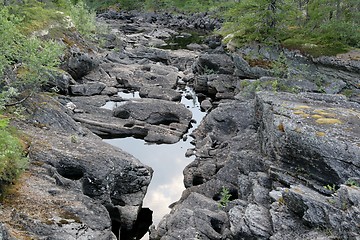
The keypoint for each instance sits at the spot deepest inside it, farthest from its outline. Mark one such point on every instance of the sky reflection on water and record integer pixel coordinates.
(167, 160)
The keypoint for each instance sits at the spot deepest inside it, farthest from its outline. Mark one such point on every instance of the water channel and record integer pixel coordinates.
(167, 160)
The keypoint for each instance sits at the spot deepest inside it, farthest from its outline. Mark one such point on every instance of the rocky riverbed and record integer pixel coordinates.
(269, 164)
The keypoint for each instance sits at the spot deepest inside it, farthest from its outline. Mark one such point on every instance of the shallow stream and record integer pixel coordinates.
(167, 160)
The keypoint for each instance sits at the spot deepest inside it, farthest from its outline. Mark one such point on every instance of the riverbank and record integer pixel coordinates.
(289, 160)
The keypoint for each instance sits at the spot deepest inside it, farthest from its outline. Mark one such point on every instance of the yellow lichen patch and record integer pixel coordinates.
(328, 121)
(316, 116)
(301, 107)
(305, 115)
(298, 112)
(320, 134)
(298, 130)
(324, 113)
(302, 114)
(281, 127)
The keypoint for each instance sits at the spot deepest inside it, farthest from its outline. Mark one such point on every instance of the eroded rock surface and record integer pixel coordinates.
(76, 184)
(268, 193)
(268, 165)
(269, 197)
(315, 135)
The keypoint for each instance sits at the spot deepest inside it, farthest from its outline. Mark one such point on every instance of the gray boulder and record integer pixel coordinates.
(340, 212)
(316, 134)
(253, 221)
(244, 70)
(215, 63)
(197, 217)
(80, 63)
(160, 93)
(80, 163)
(220, 86)
(59, 82)
(88, 89)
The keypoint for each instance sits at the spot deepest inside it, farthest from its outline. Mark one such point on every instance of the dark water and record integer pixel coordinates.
(167, 160)
(184, 39)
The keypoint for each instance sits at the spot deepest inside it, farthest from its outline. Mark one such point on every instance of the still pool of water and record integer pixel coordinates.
(167, 160)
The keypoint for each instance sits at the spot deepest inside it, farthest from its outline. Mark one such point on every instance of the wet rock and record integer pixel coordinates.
(306, 132)
(206, 105)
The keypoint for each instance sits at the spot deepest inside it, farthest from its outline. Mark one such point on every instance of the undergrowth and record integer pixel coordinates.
(13, 160)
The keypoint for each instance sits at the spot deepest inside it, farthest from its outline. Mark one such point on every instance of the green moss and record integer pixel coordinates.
(313, 47)
(348, 92)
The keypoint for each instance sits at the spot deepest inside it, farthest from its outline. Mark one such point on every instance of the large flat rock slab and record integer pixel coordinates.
(154, 120)
(313, 136)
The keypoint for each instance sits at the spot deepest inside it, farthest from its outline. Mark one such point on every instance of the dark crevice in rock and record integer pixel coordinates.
(163, 118)
(141, 226)
(115, 217)
(70, 171)
(198, 180)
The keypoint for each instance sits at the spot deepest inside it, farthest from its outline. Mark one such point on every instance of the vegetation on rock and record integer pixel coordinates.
(27, 58)
(12, 154)
(319, 27)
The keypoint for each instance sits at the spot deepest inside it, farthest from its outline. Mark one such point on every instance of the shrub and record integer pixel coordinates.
(29, 58)
(83, 18)
(225, 197)
(12, 155)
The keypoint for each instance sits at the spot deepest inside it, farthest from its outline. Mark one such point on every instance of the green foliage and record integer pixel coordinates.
(6, 95)
(331, 188)
(279, 66)
(225, 197)
(34, 15)
(29, 57)
(12, 156)
(319, 27)
(83, 18)
(351, 183)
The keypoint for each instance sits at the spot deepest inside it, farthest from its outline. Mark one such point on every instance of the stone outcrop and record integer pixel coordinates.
(269, 193)
(268, 164)
(80, 63)
(312, 135)
(87, 183)
(294, 72)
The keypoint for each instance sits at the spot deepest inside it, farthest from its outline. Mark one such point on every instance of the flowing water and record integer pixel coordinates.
(167, 160)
